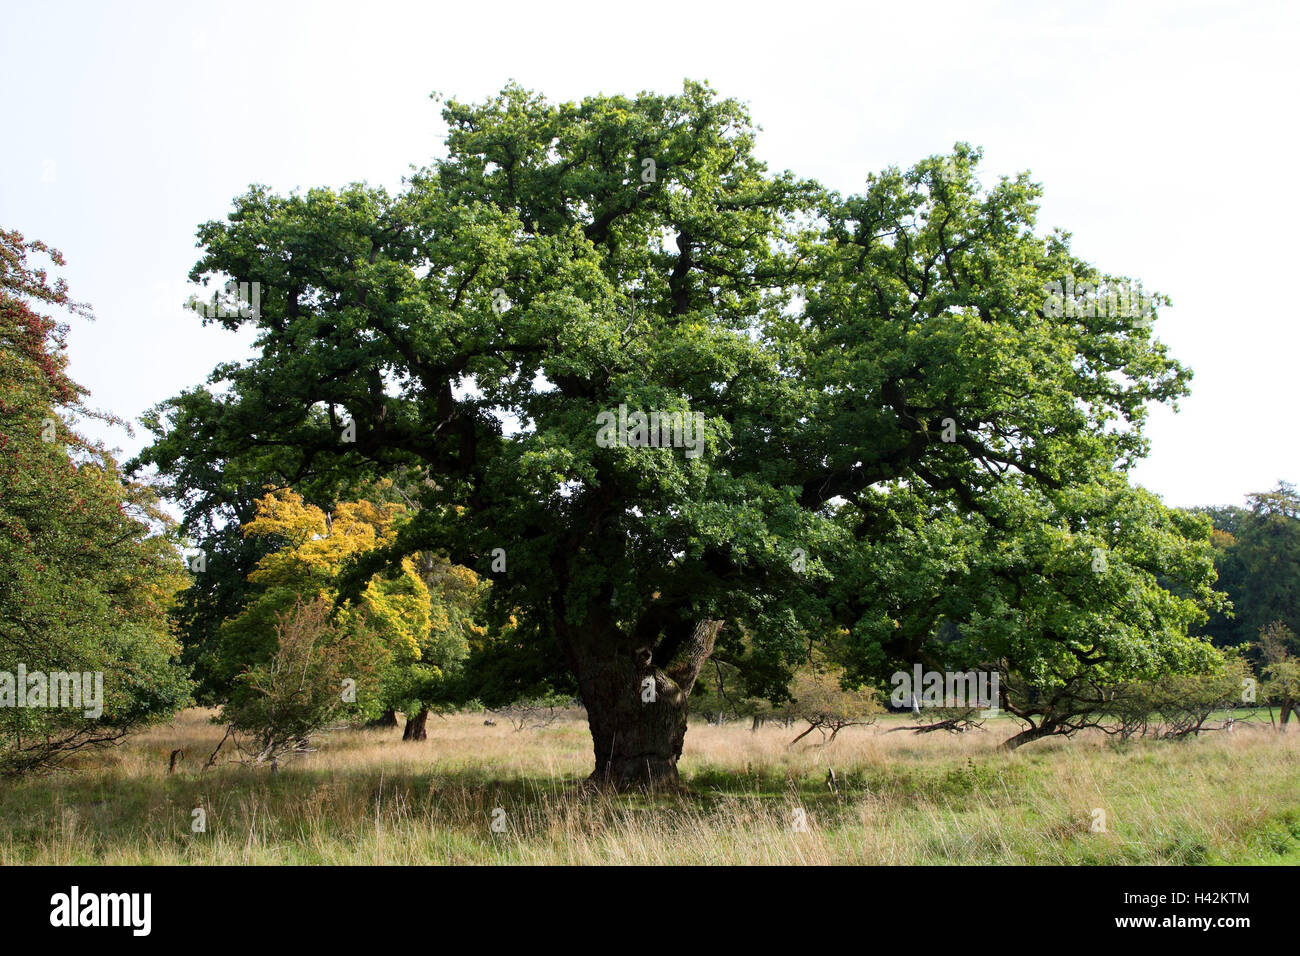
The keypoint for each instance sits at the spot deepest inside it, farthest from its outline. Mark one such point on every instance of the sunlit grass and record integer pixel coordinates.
(364, 796)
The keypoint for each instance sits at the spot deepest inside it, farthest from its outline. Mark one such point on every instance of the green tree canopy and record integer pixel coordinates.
(857, 362)
(88, 564)
(1257, 555)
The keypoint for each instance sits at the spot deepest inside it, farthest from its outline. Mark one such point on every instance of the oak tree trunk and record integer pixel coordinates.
(416, 726)
(636, 708)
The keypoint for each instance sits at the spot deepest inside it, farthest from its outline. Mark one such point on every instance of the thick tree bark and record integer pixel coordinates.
(1288, 706)
(636, 710)
(387, 719)
(416, 726)
(1045, 729)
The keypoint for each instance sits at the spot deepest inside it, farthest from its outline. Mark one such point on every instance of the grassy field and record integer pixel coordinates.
(364, 796)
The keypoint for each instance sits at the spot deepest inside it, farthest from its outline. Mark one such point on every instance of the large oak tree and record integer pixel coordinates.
(858, 361)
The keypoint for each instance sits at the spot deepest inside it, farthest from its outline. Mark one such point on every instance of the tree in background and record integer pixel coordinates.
(511, 661)
(1279, 647)
(432, 681)
(859, 364)
(825, 704)
(1258, 561)
(412, 649)
(88, 563)
(1268, 547)
(721, 693)
(217, 593)
(1174, 707)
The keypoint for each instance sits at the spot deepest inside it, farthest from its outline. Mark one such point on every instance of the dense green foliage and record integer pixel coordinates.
(903, 444)
(1257, 555)
(88, 566)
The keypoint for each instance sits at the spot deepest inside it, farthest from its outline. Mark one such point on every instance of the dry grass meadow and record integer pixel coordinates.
(365, 797)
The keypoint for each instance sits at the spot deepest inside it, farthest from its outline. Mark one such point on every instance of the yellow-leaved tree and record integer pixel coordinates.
(394, 646)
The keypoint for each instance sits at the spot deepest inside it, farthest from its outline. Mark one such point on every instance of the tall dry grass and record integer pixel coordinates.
(364, 796)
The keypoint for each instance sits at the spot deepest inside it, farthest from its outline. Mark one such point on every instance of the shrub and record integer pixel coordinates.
(315, 676)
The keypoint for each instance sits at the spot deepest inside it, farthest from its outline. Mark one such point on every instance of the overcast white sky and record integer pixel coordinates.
(1164, 134)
